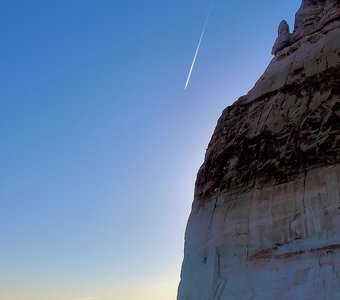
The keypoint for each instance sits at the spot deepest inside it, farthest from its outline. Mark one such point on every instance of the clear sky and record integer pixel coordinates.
(100, 144)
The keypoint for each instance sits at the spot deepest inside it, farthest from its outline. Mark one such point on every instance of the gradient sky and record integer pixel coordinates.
(100, 144)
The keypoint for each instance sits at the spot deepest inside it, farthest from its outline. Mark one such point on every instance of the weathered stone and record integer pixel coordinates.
(265, 222)
(283, 37)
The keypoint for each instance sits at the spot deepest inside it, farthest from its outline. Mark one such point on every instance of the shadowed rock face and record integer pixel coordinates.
(313, 15)
(274, 138)
(283, 38)
(265, 221)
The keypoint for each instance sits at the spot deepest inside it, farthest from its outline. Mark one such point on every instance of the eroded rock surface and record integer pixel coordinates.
(283, 38)
(265, 222)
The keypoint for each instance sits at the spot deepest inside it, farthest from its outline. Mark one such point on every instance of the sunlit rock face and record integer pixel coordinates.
(265, 221)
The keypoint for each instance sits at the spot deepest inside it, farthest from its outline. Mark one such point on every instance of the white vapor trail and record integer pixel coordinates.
(197, 49)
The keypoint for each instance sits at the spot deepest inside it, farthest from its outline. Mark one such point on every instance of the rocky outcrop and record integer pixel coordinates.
(283, 38)
(265, 221)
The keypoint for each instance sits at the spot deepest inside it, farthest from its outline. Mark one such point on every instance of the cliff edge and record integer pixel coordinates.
(265, 221)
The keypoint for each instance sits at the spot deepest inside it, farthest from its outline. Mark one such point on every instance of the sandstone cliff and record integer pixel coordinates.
(265, 221)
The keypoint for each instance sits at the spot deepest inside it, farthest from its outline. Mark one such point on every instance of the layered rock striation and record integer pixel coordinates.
(265, 221)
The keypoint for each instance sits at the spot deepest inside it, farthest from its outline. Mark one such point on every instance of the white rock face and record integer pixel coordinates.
(279, 242)
(265, 221)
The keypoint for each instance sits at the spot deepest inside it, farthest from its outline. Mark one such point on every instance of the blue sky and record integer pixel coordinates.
(100, 142)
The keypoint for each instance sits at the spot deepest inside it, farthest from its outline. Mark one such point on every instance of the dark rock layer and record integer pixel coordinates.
(275, 137)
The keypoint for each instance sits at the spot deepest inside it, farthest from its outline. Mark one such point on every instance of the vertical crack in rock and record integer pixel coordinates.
(265, 222)
(212, 214)
(218, 282)
(304, 191)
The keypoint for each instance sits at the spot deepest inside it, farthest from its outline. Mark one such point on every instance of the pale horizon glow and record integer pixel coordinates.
(89, 298)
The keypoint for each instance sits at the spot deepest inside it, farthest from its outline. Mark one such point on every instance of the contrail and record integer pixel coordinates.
(198, 47)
